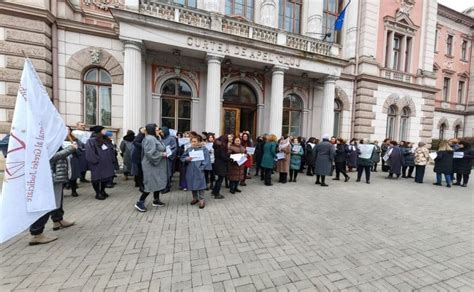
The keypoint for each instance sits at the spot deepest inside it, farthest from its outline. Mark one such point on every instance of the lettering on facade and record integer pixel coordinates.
(241, 51)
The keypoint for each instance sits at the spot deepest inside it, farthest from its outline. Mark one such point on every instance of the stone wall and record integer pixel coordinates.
(17, 35)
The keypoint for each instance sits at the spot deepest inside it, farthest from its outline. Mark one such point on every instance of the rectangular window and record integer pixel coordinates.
(449, 45)
(464, 50)
(289, 15)
(446, 85)
(407, 54)
(243, 8)
(436, 40)
(396, 53)
(331, 10)
(460, 92)
(186, 3)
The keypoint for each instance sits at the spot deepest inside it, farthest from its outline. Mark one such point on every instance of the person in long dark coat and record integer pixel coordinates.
(324, 153)
(395, 160)
(236, 172)
(137, 170)
(302, 142)
(384, 148)
(268, 158)
(169, 141)
(352, 155)
(126, 147)
(340, 160)
(444, 164)
(462, 166)
(221, 161)
(258, 155)
(377, 157)
(408, 160)
(195, 176)
(101, 159)
(154, 165)
(310, 156)
(74, 161)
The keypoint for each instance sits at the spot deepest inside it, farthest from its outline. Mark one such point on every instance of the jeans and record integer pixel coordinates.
(361, 169)
(447, 177)
(56, 215)
(419, 173)
(217, 185)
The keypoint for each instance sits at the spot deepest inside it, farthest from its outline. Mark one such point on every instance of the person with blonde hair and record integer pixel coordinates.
(268, 158)
(444, 163)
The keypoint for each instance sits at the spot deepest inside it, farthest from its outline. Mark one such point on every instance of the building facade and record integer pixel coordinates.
(231, 65)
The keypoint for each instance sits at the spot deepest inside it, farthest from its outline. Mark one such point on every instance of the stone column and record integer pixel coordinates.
(260, 117)
(276, 101)
(327, 115)
(213, 94)
(266, 13)
(314, 22)
(133, 101)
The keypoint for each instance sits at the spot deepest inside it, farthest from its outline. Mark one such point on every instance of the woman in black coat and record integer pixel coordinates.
(137, 170)
(340, 159)
(408, 160)
(444, 164)
(309, 155)
(258, 154)
(221, 160)
(462, 166)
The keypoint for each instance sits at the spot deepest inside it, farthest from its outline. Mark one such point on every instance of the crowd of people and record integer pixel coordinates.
(205, 162)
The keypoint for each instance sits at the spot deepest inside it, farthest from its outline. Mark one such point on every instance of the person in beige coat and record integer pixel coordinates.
(283, 165)
(422, 156)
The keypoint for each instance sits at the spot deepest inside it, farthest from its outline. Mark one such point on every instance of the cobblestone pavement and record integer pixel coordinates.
(386, 236)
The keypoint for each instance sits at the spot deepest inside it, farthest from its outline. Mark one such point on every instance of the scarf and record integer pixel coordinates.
(284, 143)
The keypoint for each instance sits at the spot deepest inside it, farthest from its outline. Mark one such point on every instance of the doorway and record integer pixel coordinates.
(239, 109)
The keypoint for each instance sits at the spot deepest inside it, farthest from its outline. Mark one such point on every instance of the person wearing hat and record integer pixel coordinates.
(154, 165)
(324, 153)
(101, 158)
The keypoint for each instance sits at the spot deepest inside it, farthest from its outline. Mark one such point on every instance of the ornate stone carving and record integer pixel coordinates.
(343, 98)
(102, 4)
(405, 7)
(256, 77)
(400, 103)
(95, 54)
(189, 76)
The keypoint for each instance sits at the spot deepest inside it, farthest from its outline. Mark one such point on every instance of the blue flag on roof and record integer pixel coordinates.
(340, 18)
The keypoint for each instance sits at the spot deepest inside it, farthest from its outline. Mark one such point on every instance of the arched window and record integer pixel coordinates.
(240, 93)
(457, 131)
(442, 131)
(404, 123)
(176, 105)
(391, 122)
(292, 108)
(97, 97)
(337, 117)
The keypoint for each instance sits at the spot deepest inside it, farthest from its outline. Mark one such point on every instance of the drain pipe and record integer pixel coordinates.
(356, 70)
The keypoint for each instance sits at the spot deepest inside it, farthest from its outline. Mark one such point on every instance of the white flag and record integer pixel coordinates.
(37, 133)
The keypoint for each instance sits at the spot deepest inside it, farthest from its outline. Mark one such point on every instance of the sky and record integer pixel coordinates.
(459, 5)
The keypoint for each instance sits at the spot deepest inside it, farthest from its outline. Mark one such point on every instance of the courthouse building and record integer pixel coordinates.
(398, 68)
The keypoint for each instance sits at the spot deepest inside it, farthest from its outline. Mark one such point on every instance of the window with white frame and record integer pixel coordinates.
(289, 15)
(464, 50)
(460, 92)
(404, 124)
(97, 97)
(176, 105)
(446, 87)
(396, 52)
(449, 45)
(243, 8)
(292, 115)
(331, 9)
(391, 122)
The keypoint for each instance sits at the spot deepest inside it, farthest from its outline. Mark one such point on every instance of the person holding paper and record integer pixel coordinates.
(268, 158)
(101, 160)
(422, 156)
(283, 165)
(83, 136)
(340, 160)
(182, 166)
(376, 156)
(384, 148)
(409, 159)
(169, 140)
(352, 154)
(295, 160)
(74, 161)
(395, 160)
(324, 154)
(197, 160)
(365, 160)
(463, 166)
(236, 171)
(258, 154)
(444, 164)
(310, 155)
(246, 142)
(154, 165)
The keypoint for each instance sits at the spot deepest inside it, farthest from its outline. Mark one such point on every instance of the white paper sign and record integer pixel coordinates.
(196, 155)
(386, 157)
(280, 155)
(250, 150)
(433, 155)
(458, 155)
(186, 146)
(296, 148)
(366, 151)
(209, 146)
(104, 147)
(183, 141)
(173, 132)
(168, 151)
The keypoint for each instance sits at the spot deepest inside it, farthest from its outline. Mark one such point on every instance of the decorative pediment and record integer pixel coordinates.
(402, 22)
(464, 75)
(436, 67)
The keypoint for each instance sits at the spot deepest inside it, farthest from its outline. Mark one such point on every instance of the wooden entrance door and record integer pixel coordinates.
(231, 120)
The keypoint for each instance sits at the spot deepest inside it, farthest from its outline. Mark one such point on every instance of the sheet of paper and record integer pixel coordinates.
(433, 155)
(209, 146)
(386, 157)
(168, 151)
(366, 151)
(250, 150)
(173, 132)
(296, 148)
(197, 155)
(458, 155)
(183, 141)
(104, 147)
(242, 160)
(280, 155)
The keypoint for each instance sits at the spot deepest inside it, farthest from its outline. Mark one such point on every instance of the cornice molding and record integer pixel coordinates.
(28, 11)
(395, 83)
(455, 16)
(76, 26)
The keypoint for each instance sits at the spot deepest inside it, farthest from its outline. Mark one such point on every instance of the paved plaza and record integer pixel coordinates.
(386, 236)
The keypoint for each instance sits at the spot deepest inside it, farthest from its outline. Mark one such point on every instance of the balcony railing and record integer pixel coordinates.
(396, 75)
(217, 22)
